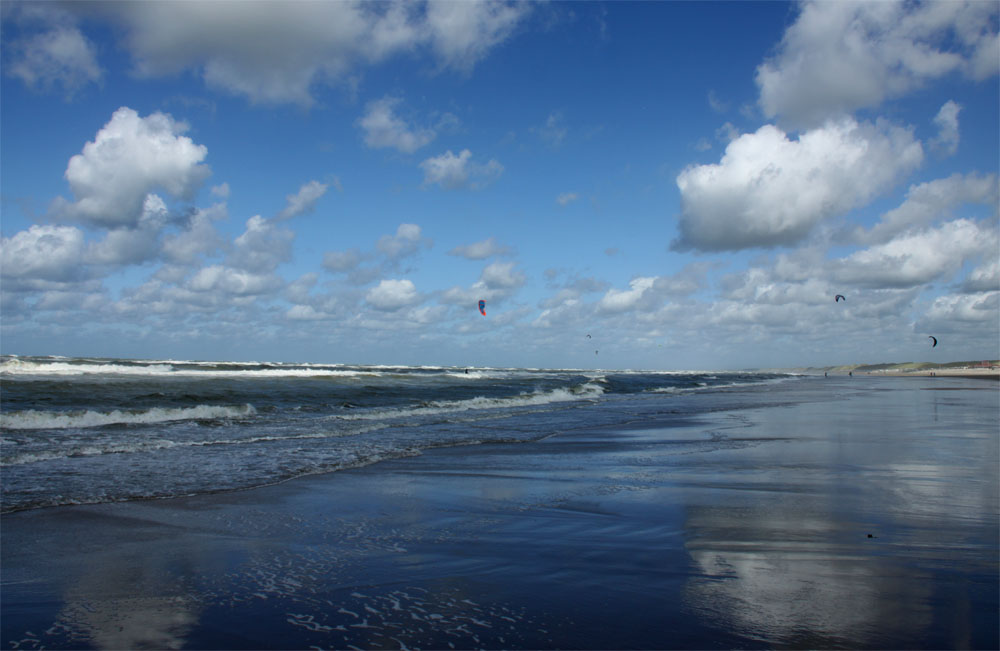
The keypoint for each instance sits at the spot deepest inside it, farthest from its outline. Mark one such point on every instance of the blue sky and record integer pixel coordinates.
(691, 184)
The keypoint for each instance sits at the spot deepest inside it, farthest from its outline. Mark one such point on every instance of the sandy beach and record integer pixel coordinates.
(971, 373)
(852, 513)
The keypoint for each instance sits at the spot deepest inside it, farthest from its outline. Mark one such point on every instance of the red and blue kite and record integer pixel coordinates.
(482, 307)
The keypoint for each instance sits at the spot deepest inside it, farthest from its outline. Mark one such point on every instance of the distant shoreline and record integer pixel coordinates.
(974, 373)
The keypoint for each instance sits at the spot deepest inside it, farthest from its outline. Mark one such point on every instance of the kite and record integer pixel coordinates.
(935, 341)
(589, 337)
(482, 307)
(836, 299)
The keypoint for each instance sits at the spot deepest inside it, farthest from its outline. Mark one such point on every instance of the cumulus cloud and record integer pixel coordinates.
(948, 313)
(946, 142)
(498, 280)
(617, 300)
(198, 236)
(276, 52)
(917, 258)
(841, 56)
(688, 280)
(769, 190)
(304, 201)
(238, 282)
(480, 250)
(931, 201)
(405, 242)
(383, 128)
(44, 252)
(586, 285)
(130, 157)
(304, 313)
(502, 276)
(123, 246)
(453, 172)
(392, 294)
(261, 247)
(984, 278)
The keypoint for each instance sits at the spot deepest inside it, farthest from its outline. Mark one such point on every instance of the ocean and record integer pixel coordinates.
(222, 505)
(85, 431)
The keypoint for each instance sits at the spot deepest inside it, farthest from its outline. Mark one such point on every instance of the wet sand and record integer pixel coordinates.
(866, 520)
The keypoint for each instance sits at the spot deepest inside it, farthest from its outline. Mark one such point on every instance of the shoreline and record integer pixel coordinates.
(971, 373)
(732, 529)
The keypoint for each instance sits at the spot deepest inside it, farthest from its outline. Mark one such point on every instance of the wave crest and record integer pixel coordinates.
(33, 419)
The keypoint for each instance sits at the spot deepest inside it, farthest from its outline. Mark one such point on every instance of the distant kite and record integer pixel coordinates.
(482, 307)
(837, 298)
(589, 337)
(935, 341)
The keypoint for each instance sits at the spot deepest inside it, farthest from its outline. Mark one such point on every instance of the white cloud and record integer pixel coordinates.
(946, 141)
(688, 280)
(129, 158)
(221, 190)
(453, 172)
(275, 52)
(947, 312)
(198, 237)
(918, 258)
(480, 250)
(841, 56)
(498, 280)
(384, 129)
(930, 201)
(61, 57)
(43, 252)
(770, 191)
(616, 300)
(262, 247)
(462, 33)
(217, 278)
(502, 276)
(341, 261)
(305, 313)
(566, 198)
(405, 242)
(303, 201)
(984, 278)
(123, 246)
(391, 295)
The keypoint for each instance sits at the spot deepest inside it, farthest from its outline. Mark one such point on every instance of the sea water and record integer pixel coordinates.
(83, 431)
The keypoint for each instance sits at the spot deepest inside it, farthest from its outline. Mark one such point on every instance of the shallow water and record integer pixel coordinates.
(742, 526)
(83, 431)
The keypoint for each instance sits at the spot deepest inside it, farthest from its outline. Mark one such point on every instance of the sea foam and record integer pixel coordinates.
(34, 419)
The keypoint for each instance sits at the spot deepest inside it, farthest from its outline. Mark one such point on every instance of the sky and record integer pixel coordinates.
(647, 185)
